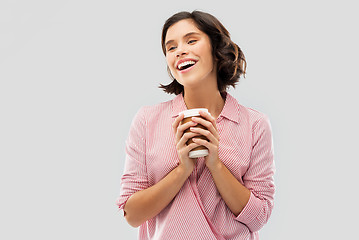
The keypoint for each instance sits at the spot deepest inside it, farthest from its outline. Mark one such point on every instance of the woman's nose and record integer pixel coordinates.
(181, 51)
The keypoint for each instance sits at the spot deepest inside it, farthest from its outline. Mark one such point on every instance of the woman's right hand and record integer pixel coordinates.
(182, 148)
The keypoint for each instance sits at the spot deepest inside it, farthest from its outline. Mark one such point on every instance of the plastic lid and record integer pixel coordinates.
(194, 112)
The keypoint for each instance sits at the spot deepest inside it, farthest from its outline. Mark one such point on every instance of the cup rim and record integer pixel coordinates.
(193, 112)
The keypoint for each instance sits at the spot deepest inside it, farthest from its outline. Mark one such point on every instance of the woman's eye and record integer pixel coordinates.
(192, 41)
(171, 48)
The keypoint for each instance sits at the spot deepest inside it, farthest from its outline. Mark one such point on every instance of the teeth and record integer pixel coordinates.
(181, 65)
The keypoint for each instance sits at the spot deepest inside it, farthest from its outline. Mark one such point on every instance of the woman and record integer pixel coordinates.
(225, 195)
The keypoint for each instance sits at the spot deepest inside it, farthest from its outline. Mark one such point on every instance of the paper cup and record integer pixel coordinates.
(200, 151)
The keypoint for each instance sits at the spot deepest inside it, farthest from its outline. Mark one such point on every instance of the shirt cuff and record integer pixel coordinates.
(250, 211)
(120, 202)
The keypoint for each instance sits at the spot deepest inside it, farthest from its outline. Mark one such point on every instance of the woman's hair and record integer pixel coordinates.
(231, 63)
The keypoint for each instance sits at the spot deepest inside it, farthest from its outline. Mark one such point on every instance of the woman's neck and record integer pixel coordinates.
(204, 98)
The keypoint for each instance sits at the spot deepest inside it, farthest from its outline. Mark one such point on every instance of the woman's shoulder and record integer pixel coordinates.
(155, 111)
(251, 114)
(255, 114)
(156, 108)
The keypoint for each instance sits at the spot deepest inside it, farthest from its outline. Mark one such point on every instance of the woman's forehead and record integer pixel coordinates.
(181, 28)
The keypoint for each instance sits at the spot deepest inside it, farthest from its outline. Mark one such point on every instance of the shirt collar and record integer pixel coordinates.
(230, 110)
(178, 105)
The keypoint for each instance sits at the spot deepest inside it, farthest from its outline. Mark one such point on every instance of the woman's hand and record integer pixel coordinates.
(182, 148)
(211, 134)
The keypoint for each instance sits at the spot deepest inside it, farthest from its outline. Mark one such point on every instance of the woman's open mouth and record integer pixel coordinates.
(186, 66)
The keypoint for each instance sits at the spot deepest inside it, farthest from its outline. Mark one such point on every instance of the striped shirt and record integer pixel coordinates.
(198, 211)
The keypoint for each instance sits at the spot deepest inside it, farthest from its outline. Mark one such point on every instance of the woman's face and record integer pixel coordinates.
(189, 54)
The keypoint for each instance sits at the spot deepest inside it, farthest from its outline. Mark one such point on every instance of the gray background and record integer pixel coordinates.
(74, 73)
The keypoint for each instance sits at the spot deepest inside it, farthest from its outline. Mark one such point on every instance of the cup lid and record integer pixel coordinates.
(193, 112)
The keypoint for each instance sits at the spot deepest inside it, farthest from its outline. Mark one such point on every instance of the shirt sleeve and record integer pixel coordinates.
(134, 177)
(259, 178)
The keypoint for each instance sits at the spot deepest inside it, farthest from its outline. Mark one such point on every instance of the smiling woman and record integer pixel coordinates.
(227, 194)
(231, 63)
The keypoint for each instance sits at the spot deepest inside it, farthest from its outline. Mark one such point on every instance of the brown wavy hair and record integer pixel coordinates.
(231, 63)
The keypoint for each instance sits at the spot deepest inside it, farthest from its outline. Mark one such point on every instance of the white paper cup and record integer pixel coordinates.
(200, 151)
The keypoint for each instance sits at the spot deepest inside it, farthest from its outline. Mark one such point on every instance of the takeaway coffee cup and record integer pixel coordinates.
(200, 151)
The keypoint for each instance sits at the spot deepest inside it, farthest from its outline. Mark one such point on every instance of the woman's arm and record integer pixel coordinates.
(147, 203)
(251, 202)
(234, 194)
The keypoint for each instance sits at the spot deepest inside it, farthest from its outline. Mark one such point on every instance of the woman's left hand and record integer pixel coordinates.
(211, 134)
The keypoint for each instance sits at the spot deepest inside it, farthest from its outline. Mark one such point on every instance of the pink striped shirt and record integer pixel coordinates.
(198, 211)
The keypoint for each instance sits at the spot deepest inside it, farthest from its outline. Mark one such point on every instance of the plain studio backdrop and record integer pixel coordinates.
(74, 73)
